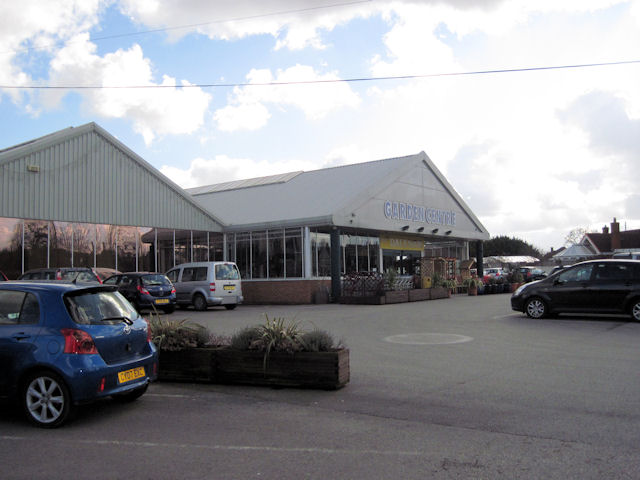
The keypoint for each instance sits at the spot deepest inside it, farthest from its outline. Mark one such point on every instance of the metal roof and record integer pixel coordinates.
(84, 174)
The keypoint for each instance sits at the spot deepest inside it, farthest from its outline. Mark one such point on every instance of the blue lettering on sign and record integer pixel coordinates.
(418, 213)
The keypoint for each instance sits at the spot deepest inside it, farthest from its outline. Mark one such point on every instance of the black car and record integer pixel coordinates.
(68, 274)
(146, 290)
(596, 286)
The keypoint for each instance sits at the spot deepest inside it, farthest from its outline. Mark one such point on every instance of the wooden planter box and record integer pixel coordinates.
(396, 296)
(323, 370)
(419, 294)
(439, 292)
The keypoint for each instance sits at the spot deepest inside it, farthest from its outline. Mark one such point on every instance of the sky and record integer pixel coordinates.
(209, 91)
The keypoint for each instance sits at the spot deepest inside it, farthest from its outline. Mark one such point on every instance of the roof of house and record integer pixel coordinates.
(601, 242)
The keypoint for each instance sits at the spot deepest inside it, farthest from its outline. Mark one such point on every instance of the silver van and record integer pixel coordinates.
(204, 284)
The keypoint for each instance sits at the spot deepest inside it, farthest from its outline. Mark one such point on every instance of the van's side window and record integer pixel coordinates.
(200, 274)
(187, 275)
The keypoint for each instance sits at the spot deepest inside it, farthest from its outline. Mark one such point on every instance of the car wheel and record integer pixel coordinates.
(132, 395)
(170, 309)
(230, 307)
(635, 309)
(535, 308)
(46, 399)
(199, 303)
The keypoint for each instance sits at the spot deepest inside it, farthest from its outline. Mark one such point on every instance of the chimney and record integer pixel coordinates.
(605, 230)
(615, 235)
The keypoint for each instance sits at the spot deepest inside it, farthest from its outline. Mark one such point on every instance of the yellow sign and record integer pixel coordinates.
(406, 244)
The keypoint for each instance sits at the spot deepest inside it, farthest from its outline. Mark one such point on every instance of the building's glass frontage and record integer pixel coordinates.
(28, 244)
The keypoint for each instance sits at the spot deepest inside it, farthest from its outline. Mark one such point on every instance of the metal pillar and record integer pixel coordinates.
(336, 289)
(479, 258)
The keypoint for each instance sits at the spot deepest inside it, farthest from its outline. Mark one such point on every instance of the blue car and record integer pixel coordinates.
(63, 344)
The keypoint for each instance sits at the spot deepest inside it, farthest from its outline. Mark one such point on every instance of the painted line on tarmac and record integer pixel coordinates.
(166, 395)
(229, 448)
(428, 339)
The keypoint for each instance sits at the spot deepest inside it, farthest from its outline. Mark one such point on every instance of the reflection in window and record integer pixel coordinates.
(11, 247)
(165, 250)
(127, 249)
(216, 247)
(183, 247)
(84, 239)
(106, 246)
(146, 249)
(321, 254)
(36, 235)
(60, 244)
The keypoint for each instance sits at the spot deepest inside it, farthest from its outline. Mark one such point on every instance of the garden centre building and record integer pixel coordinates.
(79, 197)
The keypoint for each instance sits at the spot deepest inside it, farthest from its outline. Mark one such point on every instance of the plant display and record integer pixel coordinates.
(437, 280)
(174, 335)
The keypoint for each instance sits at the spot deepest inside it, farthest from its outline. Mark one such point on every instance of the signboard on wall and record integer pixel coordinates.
(406, 244)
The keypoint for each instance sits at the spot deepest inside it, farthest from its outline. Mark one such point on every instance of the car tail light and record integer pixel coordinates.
(173, 290)
(101, 386)
(58, 275)
(212, 287)
(78, 342)
(143, 290)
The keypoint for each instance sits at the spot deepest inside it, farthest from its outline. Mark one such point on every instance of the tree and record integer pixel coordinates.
(505, 246)
(575, 236)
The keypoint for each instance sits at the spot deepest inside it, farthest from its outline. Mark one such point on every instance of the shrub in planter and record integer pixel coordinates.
(472, 285)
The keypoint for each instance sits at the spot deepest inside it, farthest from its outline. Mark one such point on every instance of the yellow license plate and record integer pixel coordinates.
(162, 301)
(129, 375)
(229, 287)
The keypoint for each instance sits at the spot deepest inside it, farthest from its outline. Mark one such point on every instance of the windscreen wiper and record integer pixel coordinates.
(123, 318)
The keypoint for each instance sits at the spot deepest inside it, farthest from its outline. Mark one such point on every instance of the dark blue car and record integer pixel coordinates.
(63, 344)
(146, 290)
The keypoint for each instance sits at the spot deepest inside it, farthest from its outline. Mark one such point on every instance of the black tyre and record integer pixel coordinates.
(46, 399)
(230, 307)
(132, 395)
(635, 309)
(169, 309)
(536, 308)
(199, 303)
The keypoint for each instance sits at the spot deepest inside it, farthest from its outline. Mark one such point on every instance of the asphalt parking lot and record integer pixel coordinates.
(455, 388)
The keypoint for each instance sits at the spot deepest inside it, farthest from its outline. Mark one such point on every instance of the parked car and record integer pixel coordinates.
(204, 284)
(145, 289)
(104, 273)
(530, 274)
(70, 274)
(65, 344)
(492, 272)
(596, 286)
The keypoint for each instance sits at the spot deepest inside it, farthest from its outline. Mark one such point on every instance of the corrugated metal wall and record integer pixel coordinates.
(86, 178)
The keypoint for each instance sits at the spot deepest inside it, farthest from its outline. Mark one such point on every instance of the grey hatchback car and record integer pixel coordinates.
(595, 286)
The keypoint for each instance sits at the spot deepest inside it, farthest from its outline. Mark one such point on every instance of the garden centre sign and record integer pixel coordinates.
(418, 213)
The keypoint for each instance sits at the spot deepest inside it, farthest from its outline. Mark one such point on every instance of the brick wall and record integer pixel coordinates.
(286, 292)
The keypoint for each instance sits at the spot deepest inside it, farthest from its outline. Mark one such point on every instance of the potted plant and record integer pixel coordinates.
(472, 285)
(516, 279)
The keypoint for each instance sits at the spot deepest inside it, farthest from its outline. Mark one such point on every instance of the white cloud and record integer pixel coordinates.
(315, 100)
(153, 111)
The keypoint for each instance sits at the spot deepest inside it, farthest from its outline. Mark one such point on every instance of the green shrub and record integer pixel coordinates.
(245, 338)
(317, 341)
(174, 335)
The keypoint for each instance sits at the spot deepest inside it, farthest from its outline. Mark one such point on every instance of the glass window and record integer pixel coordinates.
(200, 274)
(11, 247)
(111, 280)
(95, 307)
(293, 252)
(173, 275)
(165, 250)
(227, 271)
(146, 249)
(321, 254)
(374, 254)
(200, 247)
(216, 247)
(127, 249)
(243, 254)
(18, 307)
(35, 244)
(84, 241)
(578, 274)
(259, 255)
(106, 246)
(276, 253)
(60, 244)
(183, 246)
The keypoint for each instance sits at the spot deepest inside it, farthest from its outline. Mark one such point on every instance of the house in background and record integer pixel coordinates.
(601, 245)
